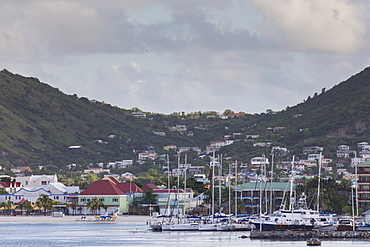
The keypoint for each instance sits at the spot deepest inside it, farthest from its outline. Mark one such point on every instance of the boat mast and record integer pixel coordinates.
(266, 176)
(318, 185)
(229, 178)
(213, 184)
(169, 183)
(260, 195)
(219, 182)
(291, 186)
(178, 183)
(185, 166)
(271, 178)
(236, 188)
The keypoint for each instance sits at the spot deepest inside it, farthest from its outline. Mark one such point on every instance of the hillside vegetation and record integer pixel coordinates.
(39, 123)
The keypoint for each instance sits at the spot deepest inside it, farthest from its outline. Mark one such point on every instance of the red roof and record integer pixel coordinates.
(127, 188)
(102, 187)
(112, 179)
(149, 186)
(10, 184)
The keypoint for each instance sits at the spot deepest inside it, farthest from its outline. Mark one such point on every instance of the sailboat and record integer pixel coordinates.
(209, 223)
(297, 217)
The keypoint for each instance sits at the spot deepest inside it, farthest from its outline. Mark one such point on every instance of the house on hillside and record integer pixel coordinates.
(257, 162)
(169, 147)
(96, 170)
(216, 145)
(138, 114)
(314, 149)
(272, 130)
(315, 156)
(21, 169)
(362, 144)
(147, 155)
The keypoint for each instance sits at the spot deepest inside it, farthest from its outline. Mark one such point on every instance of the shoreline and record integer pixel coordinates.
(68, 219)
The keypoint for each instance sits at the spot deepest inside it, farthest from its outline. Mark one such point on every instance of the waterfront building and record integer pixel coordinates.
(251, 193)
(364, 184)
(107, 191)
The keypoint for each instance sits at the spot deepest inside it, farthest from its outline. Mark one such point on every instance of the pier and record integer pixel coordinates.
(298, 235)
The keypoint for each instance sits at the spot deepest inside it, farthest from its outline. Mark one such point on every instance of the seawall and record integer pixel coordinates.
(291, 235)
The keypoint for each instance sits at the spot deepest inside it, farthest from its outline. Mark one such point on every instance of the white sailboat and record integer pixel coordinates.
(210, 223)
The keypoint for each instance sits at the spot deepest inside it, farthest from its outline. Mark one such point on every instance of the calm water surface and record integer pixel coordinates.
(132, 234)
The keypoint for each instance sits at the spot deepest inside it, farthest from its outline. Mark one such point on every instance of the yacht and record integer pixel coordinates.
(298, 218)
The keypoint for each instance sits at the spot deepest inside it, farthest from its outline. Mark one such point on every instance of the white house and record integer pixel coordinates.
(299, 167)
(258, 161)
(343, 147)
(138, 114)
(314, 156)
(217, 144)
(147, 155)
(362, 144)
(37, 180)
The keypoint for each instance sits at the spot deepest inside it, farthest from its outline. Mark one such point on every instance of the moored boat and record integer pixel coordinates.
(313, 242)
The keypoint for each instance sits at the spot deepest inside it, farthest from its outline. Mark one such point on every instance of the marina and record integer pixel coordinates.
(131, 231)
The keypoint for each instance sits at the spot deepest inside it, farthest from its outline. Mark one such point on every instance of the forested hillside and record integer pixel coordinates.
(39, 123)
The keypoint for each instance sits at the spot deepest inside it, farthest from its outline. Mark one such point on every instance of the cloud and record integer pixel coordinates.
(337, 26)
(165, 55)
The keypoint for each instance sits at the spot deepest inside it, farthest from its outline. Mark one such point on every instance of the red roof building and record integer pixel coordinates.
(149, 186)
(129, 187)
(11, 187)
(102, 187)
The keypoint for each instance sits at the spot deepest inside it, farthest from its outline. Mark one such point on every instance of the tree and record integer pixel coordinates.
(228, 111)
(95, 205)
(73, 206)
(3, 191)
(25, 205)
(45, 202)
(149, 197)
(8, 206)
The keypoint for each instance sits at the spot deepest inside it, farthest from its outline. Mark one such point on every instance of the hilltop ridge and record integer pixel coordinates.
(39, 123)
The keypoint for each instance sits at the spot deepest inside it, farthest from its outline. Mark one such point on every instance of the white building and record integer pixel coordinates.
(147, 155)
(258, 161)
(314, 156)
(37, 180)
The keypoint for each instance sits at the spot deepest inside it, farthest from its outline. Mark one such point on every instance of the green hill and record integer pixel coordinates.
(39, 123)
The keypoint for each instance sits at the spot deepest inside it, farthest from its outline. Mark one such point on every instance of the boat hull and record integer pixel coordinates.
(272, 227)
(184, 227)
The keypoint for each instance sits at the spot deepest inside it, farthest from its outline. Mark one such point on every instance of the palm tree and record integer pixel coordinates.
(45, 202)
(2, 205)
(95, 205)
(8, 206)
(73, 205)
(27, 206)
(20, 205)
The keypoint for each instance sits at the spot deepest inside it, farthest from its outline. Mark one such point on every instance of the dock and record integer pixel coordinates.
(299, 235)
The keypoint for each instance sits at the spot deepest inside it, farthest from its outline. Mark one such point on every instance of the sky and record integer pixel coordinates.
(167, 56)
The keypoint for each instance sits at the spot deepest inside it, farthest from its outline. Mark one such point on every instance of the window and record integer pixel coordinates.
(83, 199)
(101, 199)
(44, 183)
(115, 199)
